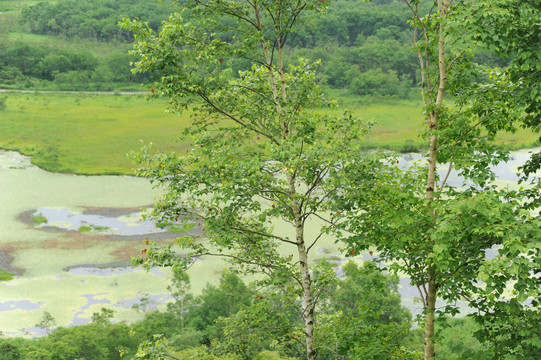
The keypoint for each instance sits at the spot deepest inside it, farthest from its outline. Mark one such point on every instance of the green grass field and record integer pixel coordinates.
(86, 134)
(91, 134)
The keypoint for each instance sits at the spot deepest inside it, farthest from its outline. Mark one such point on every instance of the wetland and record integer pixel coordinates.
(69, 239)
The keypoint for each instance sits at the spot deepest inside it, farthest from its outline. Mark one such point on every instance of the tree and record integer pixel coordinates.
(10, 351)
(47, 322)
(260, 157)
(272, 320)
(104, 317)
(180, 289)
(513, 36)
(160, 349)
(230, 296)
(435, 233)
(362, 315)
(358, 316)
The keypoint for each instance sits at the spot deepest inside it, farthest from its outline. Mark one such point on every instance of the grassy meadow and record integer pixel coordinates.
(92, 134)
(86, 134)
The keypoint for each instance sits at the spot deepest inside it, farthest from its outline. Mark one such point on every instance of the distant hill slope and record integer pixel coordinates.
(77, 45)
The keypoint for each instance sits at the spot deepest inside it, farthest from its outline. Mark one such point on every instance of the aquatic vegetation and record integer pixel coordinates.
(50, 259)
(39, 219)
(5, 275)
(104, 221)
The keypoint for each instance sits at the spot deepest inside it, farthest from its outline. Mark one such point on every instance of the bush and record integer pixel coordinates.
(375, 81)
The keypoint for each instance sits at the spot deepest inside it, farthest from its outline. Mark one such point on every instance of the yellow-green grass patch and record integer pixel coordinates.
(91, 134)
(87, 134)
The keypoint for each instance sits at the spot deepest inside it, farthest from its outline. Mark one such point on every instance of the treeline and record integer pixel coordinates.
(360, 318)
(30, 66)
(364, 49)
(91, 19)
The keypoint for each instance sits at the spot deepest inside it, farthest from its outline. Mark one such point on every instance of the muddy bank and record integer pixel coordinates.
(90, 218)
(6, 260)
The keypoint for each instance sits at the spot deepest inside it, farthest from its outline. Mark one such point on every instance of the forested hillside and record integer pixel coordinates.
(71, 45)
(77, 45)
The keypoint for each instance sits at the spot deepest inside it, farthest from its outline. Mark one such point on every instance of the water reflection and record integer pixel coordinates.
(504, 171)
(110, 271)
(126, 225)
(19, 304)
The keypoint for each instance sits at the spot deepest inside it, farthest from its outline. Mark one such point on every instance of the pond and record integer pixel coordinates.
(69, 238)
(66, 271)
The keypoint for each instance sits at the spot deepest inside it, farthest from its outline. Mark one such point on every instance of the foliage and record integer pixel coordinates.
(377, 81)
(435, 233)
(10, 351)
(89, 19)
(513, 35)
(363, 285)
(5, 275)
(223, 301)
(352, 41)
(258, 156)
(159, 349)
(455, 339)
(89, 342)
(24, 64)
(362, 317)
(348, 326)
(358, 316)
(365, 49)
(47, 322)
(271, 321)
(180, 289)
(103, 318)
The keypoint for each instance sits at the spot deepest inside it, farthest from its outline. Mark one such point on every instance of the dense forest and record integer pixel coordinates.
(364, 49)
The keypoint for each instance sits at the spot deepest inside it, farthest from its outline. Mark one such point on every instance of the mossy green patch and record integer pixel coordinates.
(84, 228)
(39, 219)
(100, 228)
(5, 275)
(163, 225)
(176, 229)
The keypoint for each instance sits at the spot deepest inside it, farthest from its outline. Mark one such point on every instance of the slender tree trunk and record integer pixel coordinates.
(430, 319)
(430, 303)
(308, 298)
(182, 312)
(432, 293)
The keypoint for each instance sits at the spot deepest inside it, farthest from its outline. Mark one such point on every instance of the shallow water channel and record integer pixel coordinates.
(69, 239)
